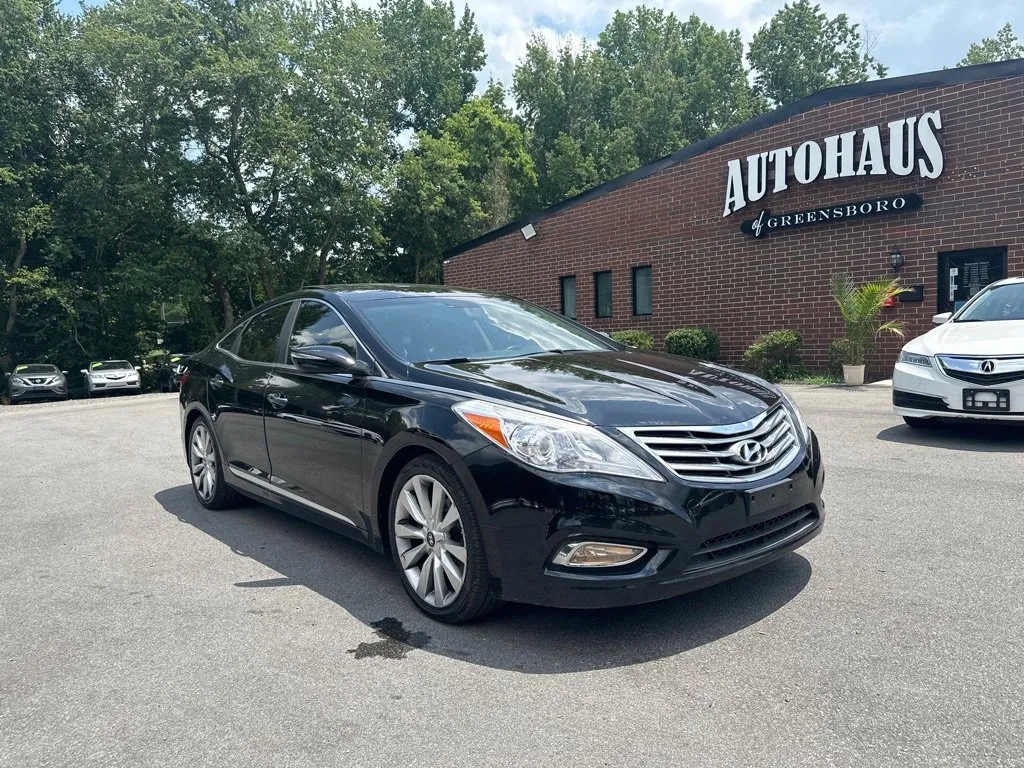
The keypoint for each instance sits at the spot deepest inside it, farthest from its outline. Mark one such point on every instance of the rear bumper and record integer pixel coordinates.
(695, 537)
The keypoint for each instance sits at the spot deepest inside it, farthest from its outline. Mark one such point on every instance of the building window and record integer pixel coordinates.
(641, 290)
(568, 295)
(603, 294)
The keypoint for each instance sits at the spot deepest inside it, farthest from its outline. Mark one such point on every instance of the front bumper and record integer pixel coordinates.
(96, 387)
(24, 394)
(695, 536)
(926, 392)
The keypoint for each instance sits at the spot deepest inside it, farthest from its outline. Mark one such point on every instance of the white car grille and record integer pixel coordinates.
(730, 453)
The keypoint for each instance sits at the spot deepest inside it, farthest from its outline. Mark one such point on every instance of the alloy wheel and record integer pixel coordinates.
(430, 541)
(203, 461)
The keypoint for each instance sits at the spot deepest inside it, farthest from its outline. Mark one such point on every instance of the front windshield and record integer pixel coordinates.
(35, 368)
(1004, 302)
(111, 365)
(421, 328)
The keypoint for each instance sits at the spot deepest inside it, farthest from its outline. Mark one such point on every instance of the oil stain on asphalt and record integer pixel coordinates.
(395, 641)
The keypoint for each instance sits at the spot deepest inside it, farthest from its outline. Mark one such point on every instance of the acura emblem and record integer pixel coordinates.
(749, 452)
(988, 366)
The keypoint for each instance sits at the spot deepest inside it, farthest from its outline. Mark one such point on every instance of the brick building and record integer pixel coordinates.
(742, 232)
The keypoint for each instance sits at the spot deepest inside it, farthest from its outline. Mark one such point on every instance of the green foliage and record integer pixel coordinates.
(1003, 47)
(634, 338)
(840, 353)
(698, 343)
(474, 176)
(860, 307)
(775, 356)
(801, 50)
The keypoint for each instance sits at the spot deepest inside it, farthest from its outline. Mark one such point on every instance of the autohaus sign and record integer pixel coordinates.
(844, 155)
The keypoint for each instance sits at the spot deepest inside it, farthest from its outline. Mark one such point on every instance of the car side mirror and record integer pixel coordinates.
(942, 318)
(138, 367)
(7, 375)
(84, 372)
(327, 359)
(64, 373)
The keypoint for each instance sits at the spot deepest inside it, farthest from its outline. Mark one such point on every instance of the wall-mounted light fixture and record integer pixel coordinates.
(528, 231)
(896, 260)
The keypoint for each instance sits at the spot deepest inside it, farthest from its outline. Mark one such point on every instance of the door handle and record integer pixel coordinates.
(217, 381)
(277, 400)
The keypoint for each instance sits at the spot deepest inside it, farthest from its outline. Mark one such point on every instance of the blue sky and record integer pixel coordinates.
(913, 35)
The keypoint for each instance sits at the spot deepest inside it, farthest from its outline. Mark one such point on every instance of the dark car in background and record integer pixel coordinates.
(104, 377)
(36, 381)
(497, 451)
(170, 371)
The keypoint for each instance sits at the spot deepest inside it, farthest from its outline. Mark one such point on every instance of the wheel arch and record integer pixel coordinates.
(394, 460)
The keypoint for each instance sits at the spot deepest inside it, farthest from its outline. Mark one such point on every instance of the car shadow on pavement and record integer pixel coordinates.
(970, 436)
(517, 637)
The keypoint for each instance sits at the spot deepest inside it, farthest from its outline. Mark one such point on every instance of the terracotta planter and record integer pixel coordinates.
(853, 375)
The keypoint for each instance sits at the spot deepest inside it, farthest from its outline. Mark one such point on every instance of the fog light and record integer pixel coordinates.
(594, 554)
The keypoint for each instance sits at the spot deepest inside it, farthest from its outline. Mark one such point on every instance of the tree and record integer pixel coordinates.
(433, 59)
(474, 176)
(801, 51)
(30, 111)
(1003, 47)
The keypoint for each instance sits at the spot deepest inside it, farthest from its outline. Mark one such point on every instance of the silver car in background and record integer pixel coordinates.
(37, 381)
(105, 376)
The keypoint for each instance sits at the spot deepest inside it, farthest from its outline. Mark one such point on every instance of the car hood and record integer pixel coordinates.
(612, 388)
(989, 339)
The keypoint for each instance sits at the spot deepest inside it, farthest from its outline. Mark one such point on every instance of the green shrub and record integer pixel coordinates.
(634, 338)
(840, 353)
(775, 356)
(698, 343)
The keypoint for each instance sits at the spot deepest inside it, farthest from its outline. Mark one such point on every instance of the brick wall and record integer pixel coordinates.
(706, 272)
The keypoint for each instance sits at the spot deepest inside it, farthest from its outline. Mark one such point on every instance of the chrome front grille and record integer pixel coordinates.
(729, 453)
(987, 371)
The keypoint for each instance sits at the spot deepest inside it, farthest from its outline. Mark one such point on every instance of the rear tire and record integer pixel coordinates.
(206, 468)
(442, 537)
(917, 422)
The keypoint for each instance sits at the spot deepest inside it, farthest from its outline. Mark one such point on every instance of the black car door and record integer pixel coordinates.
(237, 392)
(313, 422)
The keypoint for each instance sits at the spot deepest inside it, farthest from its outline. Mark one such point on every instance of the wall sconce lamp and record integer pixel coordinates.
(528, 231)
(896, 260)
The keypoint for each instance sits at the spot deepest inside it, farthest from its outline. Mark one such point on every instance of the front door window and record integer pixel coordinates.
(962, 274)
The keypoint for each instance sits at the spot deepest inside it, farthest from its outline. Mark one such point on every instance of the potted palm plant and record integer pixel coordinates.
(861, 307)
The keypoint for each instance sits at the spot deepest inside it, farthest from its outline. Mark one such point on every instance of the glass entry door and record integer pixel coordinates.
(963, 273)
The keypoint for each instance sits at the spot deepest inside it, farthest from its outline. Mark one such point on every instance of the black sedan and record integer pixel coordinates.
(497, 451)
(37, 381)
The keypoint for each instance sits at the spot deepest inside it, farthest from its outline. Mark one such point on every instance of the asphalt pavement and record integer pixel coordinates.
(138, 629)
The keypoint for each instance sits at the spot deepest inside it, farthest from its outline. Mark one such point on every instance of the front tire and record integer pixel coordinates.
(207, 469)
(436, 544)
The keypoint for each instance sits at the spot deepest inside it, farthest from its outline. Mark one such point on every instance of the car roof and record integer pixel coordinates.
(1007, 281)
(360, 292)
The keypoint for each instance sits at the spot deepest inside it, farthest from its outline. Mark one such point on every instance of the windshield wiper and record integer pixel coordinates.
(449, 361)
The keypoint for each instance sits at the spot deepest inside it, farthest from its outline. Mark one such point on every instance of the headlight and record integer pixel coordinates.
(797, 416)
(550, 443)
(19, 381)
(912, 359)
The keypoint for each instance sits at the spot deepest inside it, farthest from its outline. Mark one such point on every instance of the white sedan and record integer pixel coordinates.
(971, 366)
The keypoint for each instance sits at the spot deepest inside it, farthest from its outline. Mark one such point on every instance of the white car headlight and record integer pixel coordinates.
(19, 381)
(551, 443)
(912, 359)
(797, 416)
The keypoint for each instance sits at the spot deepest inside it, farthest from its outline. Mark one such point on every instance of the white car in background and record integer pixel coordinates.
(105, 376)
(971, 366)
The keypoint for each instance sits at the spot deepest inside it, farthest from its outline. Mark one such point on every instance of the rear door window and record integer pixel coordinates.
(261, 335)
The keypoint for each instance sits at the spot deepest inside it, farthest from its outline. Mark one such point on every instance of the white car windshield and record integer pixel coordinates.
(1004, 302)
(111, 365)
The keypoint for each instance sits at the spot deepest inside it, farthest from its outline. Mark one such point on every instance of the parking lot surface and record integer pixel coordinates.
(138, 629)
